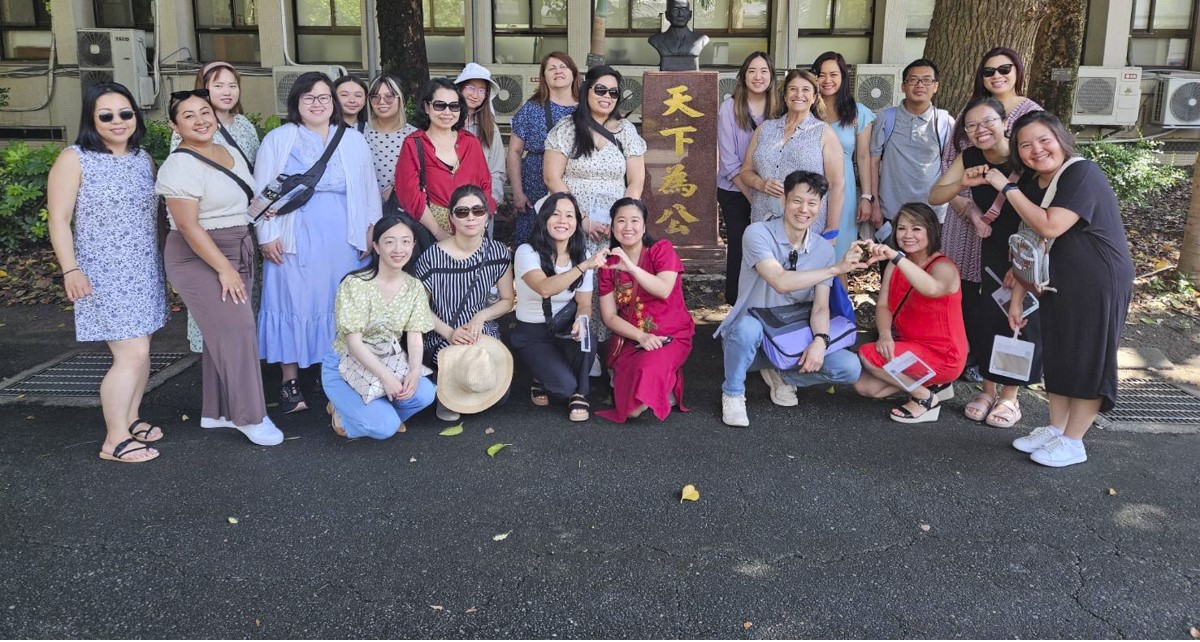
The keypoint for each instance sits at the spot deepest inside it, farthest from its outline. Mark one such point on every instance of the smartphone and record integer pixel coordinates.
(884, 232)
(585, 334)
(665, 341)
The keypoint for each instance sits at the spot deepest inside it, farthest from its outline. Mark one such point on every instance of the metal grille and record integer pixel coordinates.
(78, 375)
(1154, 402)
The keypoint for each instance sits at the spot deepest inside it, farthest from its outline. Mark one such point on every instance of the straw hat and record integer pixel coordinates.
(473, 378)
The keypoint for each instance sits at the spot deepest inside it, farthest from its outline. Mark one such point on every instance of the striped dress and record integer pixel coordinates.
(459, 289)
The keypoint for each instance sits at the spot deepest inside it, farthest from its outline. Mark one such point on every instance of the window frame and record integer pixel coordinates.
(727, 32)
(527, 31)
(148, 27)
(41, 24)
(233, 29)
(332, 30)
(1150, 33)
(833, 31)
(446, 31)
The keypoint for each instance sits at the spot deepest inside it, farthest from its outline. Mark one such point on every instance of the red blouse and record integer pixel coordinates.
(663, 317)
(440, 181)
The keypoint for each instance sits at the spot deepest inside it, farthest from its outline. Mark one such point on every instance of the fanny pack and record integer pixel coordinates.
(294, 190)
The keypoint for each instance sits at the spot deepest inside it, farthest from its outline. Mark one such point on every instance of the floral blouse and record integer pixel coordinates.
(360, 308)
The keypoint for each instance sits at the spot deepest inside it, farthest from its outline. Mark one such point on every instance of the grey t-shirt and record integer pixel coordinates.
(912, 163)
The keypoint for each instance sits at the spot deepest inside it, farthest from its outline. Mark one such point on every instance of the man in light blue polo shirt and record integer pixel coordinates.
(782, 263)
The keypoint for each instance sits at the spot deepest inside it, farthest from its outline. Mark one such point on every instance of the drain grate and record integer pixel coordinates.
(77, 376)
(1150, 401)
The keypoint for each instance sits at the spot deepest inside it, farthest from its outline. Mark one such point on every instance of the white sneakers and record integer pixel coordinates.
(1047, 446)
(263, 434)
(219, 422)
(781, 393)
(733, 411)
(1036, 439)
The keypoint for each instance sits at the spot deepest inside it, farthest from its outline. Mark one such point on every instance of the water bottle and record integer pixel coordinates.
(269, 197)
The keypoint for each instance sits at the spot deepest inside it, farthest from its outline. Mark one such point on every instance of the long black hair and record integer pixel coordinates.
(584, 145)
(843, 100)
(304, 84)
(420, 118)
(626, 201)
(89, 138)
(381, 226)
(547, 248)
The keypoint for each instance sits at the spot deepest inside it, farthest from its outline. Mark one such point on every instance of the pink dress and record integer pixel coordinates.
(641, 376)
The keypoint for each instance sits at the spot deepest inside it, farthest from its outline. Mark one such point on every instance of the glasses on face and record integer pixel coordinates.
(107, 116)
(986, 123)
(923, 81)
(472, 89)
(311, 99)
(793, 256)
(441, 105)
(463, 211)
(380, 98)
(988, 72)
(611, 92)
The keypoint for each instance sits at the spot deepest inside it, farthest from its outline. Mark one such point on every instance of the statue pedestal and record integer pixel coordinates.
(679, 124)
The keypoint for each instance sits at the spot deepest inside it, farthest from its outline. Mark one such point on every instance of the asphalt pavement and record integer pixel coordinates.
(826, 520)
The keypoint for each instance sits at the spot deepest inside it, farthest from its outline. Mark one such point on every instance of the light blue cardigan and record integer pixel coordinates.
(363, 207)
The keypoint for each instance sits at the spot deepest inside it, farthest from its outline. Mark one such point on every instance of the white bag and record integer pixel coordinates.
(1012, 357)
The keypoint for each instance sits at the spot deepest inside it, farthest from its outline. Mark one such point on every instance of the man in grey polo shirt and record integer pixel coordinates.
(906, 145)
(782, 263)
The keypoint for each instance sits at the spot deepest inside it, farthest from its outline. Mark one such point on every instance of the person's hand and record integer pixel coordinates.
(409, 385)
(475, 326)
(598, 233)
(650, 342)
(854, 258)
(597, 260)
(996, 178)
(392, 386)
(77, 285)
(1016, 320)
(881, 252)
(462, 336)
(1010, 279)
(886, 347)
(876, 214)
(520, 202)
(624, 263)
(772, 187)
(814, 356)
(232, 286)
(974, 176)
(577, 329)
(864, 211)
(273, 251)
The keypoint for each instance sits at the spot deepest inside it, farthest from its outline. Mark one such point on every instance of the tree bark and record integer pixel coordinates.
(1059, 45)
(599, 48)
(961, 32)
(1189, 252)
(402, 44)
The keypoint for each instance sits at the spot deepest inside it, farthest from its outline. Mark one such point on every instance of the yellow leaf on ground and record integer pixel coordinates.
(1112, 491)
(437, 607)
(1161, 264)
(689, 493)
(452, 431)
(747, 624)
(3, 274)
(232, 520)
(183, 418)
(495, 448)
(501, 537)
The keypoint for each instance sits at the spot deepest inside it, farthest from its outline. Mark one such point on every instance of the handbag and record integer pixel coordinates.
(224, 170)
(364, 382)
(560, 324)
(786, 331)
(1030, 251)
(294, 190)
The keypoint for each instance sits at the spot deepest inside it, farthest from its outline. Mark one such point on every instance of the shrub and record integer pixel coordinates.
(1133, 169)
(23, 173)
(264, 124)
(157, 141)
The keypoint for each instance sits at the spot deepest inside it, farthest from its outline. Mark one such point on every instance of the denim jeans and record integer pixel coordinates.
(379, 419)
(743, 354)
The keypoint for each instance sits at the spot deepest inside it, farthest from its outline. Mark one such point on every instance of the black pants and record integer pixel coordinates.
(559, 364)
(972, 299)
(735, 209)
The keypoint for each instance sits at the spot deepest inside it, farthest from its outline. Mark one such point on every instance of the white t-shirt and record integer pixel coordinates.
(529, 303)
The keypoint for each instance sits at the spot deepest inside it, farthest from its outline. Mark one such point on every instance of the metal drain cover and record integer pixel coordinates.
(1154, 406)
(74, 378)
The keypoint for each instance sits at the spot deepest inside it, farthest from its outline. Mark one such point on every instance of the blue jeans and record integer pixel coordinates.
(743, 354)
(379, 419)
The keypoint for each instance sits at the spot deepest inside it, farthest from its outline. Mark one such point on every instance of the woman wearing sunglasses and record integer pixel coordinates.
(469, 278)
(598, 157)
(386, 130)
(111, 266)
(1001, 75)
(440, 157)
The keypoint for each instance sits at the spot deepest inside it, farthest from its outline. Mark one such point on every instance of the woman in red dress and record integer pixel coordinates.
(641, 300)
(919, 311)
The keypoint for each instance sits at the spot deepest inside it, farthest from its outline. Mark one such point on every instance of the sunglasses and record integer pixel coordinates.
(387, 100)
(988, 72)
(601, 90)
(464, 211)
(107, 116)
(793, 256)
(188, 93)
(441, 105)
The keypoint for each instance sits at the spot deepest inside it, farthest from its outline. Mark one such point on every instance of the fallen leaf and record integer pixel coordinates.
(925, 527)
(689, 493)
(437, 607)
(501, 537)
(791, 456)
(1195, 632)
(412, 460)
(747, 624)
(452, 431)
(183, 418)
(1147, 320)
(471, 610)
(1161, 264)
(257, 622)
(232, 520)
(1112, 491)
(488, 431)
(830, 390)
(495, 448)
(29, 417)
(3, 274)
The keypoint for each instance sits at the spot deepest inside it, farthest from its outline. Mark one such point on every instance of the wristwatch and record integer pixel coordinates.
(1008, 188)
(870, 198)
(896, 259)
(823, 337)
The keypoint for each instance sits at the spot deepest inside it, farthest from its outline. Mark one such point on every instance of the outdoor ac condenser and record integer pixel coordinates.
(631, 91)
(116, 55)
(1177, 101)
(1108, 96)
(518, 83)
(878, 86)
(285, 76)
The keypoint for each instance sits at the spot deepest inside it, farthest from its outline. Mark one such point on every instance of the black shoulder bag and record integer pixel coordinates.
(603, 131)
(224, 170)
(304, 185)
(234, 143)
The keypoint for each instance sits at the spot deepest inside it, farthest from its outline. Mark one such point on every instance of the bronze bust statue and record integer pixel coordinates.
(678, 47)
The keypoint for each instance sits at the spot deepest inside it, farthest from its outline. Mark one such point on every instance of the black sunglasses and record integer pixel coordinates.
(600, 90)
(464, 211)
(184, 95)
(988, 72)
(793, 256)
(441, 105)
(107, 116)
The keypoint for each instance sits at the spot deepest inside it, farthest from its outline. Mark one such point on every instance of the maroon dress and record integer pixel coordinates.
(649, 376)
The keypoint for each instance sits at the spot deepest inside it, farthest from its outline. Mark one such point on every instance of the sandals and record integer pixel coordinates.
(980, 408)
(579, 408)
(933, 410)
(1005, 414)
(139, 434)
(336, 421)
(944, 392)
(123, 449)
(538, 394)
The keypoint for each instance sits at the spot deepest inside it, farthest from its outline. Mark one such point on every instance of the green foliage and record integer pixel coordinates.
(1133, 169)
(264, 124)
(23, 173)
(157, 141)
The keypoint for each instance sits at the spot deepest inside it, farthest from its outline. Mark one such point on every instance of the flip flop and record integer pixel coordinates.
(579, 408)
(979, 409)
(137, 434)
(1005, 414)
(123, 449)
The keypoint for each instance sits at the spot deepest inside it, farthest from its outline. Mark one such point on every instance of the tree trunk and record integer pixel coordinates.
(402, 45)
(599, 49)
(1189, 252)
(1059, 45)
(961, 32)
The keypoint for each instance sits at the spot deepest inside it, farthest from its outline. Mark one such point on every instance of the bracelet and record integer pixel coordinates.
(581, 270)
(70, 271)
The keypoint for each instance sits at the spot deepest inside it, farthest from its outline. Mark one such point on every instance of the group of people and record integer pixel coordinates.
(379, 262)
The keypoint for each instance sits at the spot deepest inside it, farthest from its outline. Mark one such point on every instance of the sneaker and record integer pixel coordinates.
(219, 422)
(733, 411)
(290, 398)
(446, 414)
(972, 374)
(1036, 439)
(1059, 452)
(264, 433)
(781, 393)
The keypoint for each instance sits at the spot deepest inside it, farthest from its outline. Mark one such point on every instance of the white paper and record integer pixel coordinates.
(1003, 295)
(908, 371)
(1012, 357)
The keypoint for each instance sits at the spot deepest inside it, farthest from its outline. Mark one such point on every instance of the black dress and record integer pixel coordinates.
(1092, 271)
(989, 319)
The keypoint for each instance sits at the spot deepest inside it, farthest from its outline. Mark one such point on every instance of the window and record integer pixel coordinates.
(843, 26)
(26, 29)
(445, 38)
(1162, 32)
(920, 14)
(328, 31)
(227, 30)
(735, 29)
(527, 30)
(125, 14)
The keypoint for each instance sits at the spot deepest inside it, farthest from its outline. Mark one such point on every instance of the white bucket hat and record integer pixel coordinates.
(473, 378)
(476, 71)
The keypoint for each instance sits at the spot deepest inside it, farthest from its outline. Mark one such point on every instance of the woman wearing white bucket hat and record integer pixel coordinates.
(479, 90)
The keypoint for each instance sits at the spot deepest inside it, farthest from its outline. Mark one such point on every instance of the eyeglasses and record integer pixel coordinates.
(387, 100)
(107, 116)
(988, 72)
(310, 99)
(925, 81)
(601, 90)
(441, 105)
(472, 89)
(985, 123)
(464, 211)
(793, 256)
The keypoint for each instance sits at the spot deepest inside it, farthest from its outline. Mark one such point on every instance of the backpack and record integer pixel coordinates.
(1030, 251)
(888, 122)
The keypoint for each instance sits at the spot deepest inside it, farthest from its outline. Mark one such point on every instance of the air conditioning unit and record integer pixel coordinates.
(286, 76)
(116, 55)
(1107, 96)
(878, 86)
(518, 83)
(726, 83)
(1178, 101)
(631, 91)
